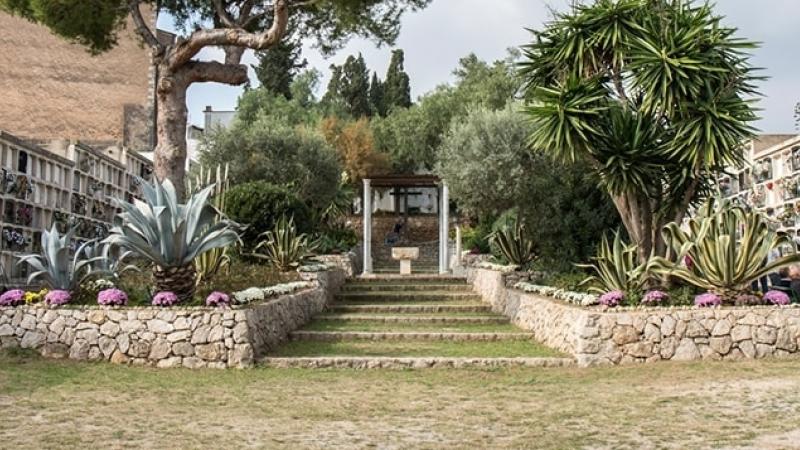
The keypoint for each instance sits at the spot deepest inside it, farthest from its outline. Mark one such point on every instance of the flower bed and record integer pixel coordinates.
(577, 298)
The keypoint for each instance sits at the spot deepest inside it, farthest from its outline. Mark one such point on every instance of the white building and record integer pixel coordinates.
(770, 180)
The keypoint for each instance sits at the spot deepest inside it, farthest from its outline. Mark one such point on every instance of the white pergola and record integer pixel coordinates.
(405, 181)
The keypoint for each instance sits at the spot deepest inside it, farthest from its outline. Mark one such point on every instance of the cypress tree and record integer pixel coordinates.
(278, 66)
(376, 96)
(397, 88)
(354, 86)
(333, 93)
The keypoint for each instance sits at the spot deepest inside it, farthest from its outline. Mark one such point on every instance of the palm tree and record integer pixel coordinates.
(655, 94)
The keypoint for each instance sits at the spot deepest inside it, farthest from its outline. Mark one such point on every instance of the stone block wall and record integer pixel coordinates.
(597, 336)
(190, 337)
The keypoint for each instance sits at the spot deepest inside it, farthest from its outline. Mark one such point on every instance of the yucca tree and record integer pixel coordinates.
(616, 267)
(59, 268)
(727, 246)
(656, 96)
(171, 234)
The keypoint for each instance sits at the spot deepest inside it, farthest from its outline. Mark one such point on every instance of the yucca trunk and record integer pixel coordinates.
(178, 280)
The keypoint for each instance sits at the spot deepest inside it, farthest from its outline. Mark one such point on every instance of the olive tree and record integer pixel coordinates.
(231, 25)
(654, 94)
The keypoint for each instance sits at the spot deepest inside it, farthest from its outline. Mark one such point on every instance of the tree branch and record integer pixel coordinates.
(223, 14)
(142, 29)
(237, 37)
(213, 71)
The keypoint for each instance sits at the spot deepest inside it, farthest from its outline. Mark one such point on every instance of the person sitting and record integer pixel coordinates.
(397, 231)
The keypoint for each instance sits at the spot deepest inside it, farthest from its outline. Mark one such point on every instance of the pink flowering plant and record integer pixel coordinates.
(218, 299)
(612, 298)
(13, 297)
(654, 298)
(165, 298)
(57, 297)
(774, 297)
(112, 297)
(708, 300)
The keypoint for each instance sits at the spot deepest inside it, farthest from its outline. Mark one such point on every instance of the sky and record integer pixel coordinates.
(435, 38)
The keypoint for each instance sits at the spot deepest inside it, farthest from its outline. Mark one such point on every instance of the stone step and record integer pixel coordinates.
(329, 336)
(383, 362)
(405, 287)
(400, 309)
(393, 296)
(408, 279)
(414, 318)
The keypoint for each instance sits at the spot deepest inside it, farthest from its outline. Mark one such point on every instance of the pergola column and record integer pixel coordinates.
(367, 209)
(444, 230)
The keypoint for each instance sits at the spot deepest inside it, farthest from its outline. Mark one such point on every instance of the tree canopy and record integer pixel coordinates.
(486, 162)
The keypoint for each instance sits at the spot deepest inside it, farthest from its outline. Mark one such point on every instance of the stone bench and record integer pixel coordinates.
(405, 255)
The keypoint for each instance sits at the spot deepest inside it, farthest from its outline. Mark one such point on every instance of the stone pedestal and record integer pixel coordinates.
(405, 255)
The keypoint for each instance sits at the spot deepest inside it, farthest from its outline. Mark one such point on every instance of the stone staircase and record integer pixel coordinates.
(411, 322)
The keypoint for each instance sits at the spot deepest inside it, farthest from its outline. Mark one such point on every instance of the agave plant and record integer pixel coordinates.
(108, 259)
(212, 261)
(282, 247)
(171, 234)
(514, 244)
(616, 268)
(727, 247)
(54, 268)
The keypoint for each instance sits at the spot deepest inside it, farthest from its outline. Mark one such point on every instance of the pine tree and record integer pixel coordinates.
(354, 86)
(278, 66)
(376, 96)
(397, 88)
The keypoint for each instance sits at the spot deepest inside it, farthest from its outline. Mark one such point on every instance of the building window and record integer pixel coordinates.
(22, 162)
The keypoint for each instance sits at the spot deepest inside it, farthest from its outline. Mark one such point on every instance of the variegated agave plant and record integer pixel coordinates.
(727, 247)
(54, 268)
(282, 247)
(616, 268)
(171, 234)
(514, 244)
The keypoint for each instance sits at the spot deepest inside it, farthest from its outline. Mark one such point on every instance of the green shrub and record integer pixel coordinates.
(259, 205)
(476, 239)
(336, 239)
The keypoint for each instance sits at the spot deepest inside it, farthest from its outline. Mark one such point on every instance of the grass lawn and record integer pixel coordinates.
(476, 349)
(61, 404)
(343, 325)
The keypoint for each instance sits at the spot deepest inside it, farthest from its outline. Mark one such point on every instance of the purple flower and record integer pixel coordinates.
(218, 298)
(655, 297)
(112, 297)
(613, 298)
(776, 297)
(165, 298)
(707, 300)
(57, 298)
(13, 297)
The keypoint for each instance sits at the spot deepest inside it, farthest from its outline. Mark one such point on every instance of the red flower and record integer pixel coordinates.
(769, 185)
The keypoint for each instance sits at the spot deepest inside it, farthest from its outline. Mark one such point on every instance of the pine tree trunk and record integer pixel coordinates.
(170, 151)
(178, 280)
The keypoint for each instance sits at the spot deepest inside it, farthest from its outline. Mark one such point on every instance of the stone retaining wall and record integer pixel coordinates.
(167, 337)
(596, 336)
